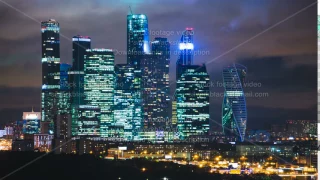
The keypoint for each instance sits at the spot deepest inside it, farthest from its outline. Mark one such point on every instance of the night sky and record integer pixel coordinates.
(281, 61)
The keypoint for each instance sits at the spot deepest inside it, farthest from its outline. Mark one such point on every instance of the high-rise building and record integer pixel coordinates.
(76, 77)
(124, 104)
(137, 38)
(63, 121)
(234, 109)
(99, 84)
(192, 96)
(137, 47)
(186, 50)
(31, 122)
(192, 91)
(50, 72)
(155, 84)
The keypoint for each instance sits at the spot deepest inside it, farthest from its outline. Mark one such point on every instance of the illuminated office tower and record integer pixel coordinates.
(137, 47)
(31, 122)
(137, 38)
(76, 76)
(192, 96)
(192, 92)
(89, 121)
(234, 109)
(50, 73)
(99, 84)
(155, 85)
(186, 49)
(63, 121)
(124, 104)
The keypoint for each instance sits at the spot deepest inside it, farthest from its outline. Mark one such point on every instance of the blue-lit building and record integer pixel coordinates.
(137, 38)
(31, 122)
(99, 85)
(50, 72)
(234, 110)
(186, 50)
(192, 91)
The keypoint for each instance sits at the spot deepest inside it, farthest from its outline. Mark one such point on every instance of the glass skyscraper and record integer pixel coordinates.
(192, 91)
(234, 110)
(137, 47)
(50, 73)
(155, 84)
(186, 50)
(124, 104)
(99, 84)
(192, 96)
(62, 125)
(76, 77)
(137, 38)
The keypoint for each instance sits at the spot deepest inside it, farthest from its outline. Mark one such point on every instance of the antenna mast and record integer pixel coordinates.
(130, 10)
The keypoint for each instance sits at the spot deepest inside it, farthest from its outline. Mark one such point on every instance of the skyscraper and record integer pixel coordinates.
(186, 49)
(137, 47)
(99, 84)
(234, 110)
(50, 72)
(124, 104)
(192, 96)
(63, 121)
(76, 76)
(137, 38)
(155, 84)
(192, 91)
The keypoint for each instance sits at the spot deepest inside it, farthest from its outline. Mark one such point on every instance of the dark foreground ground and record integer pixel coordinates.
(70, 167)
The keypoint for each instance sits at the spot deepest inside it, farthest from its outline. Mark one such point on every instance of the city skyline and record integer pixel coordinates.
(298, 109)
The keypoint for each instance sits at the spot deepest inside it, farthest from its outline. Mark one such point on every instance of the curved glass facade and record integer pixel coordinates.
(234, 109)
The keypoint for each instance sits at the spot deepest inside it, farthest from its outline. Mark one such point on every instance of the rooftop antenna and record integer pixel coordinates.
(32, 108)
(130, 10)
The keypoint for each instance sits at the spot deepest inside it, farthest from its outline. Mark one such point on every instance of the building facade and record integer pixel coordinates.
(234, 109)
(89, 121)
(50, 72)
(124, 104)
(76, 77)
(31, 122)
(137, 38)
(99, 84)
(192, 96)
(62, 126)
(155, 85)
(192, 92)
